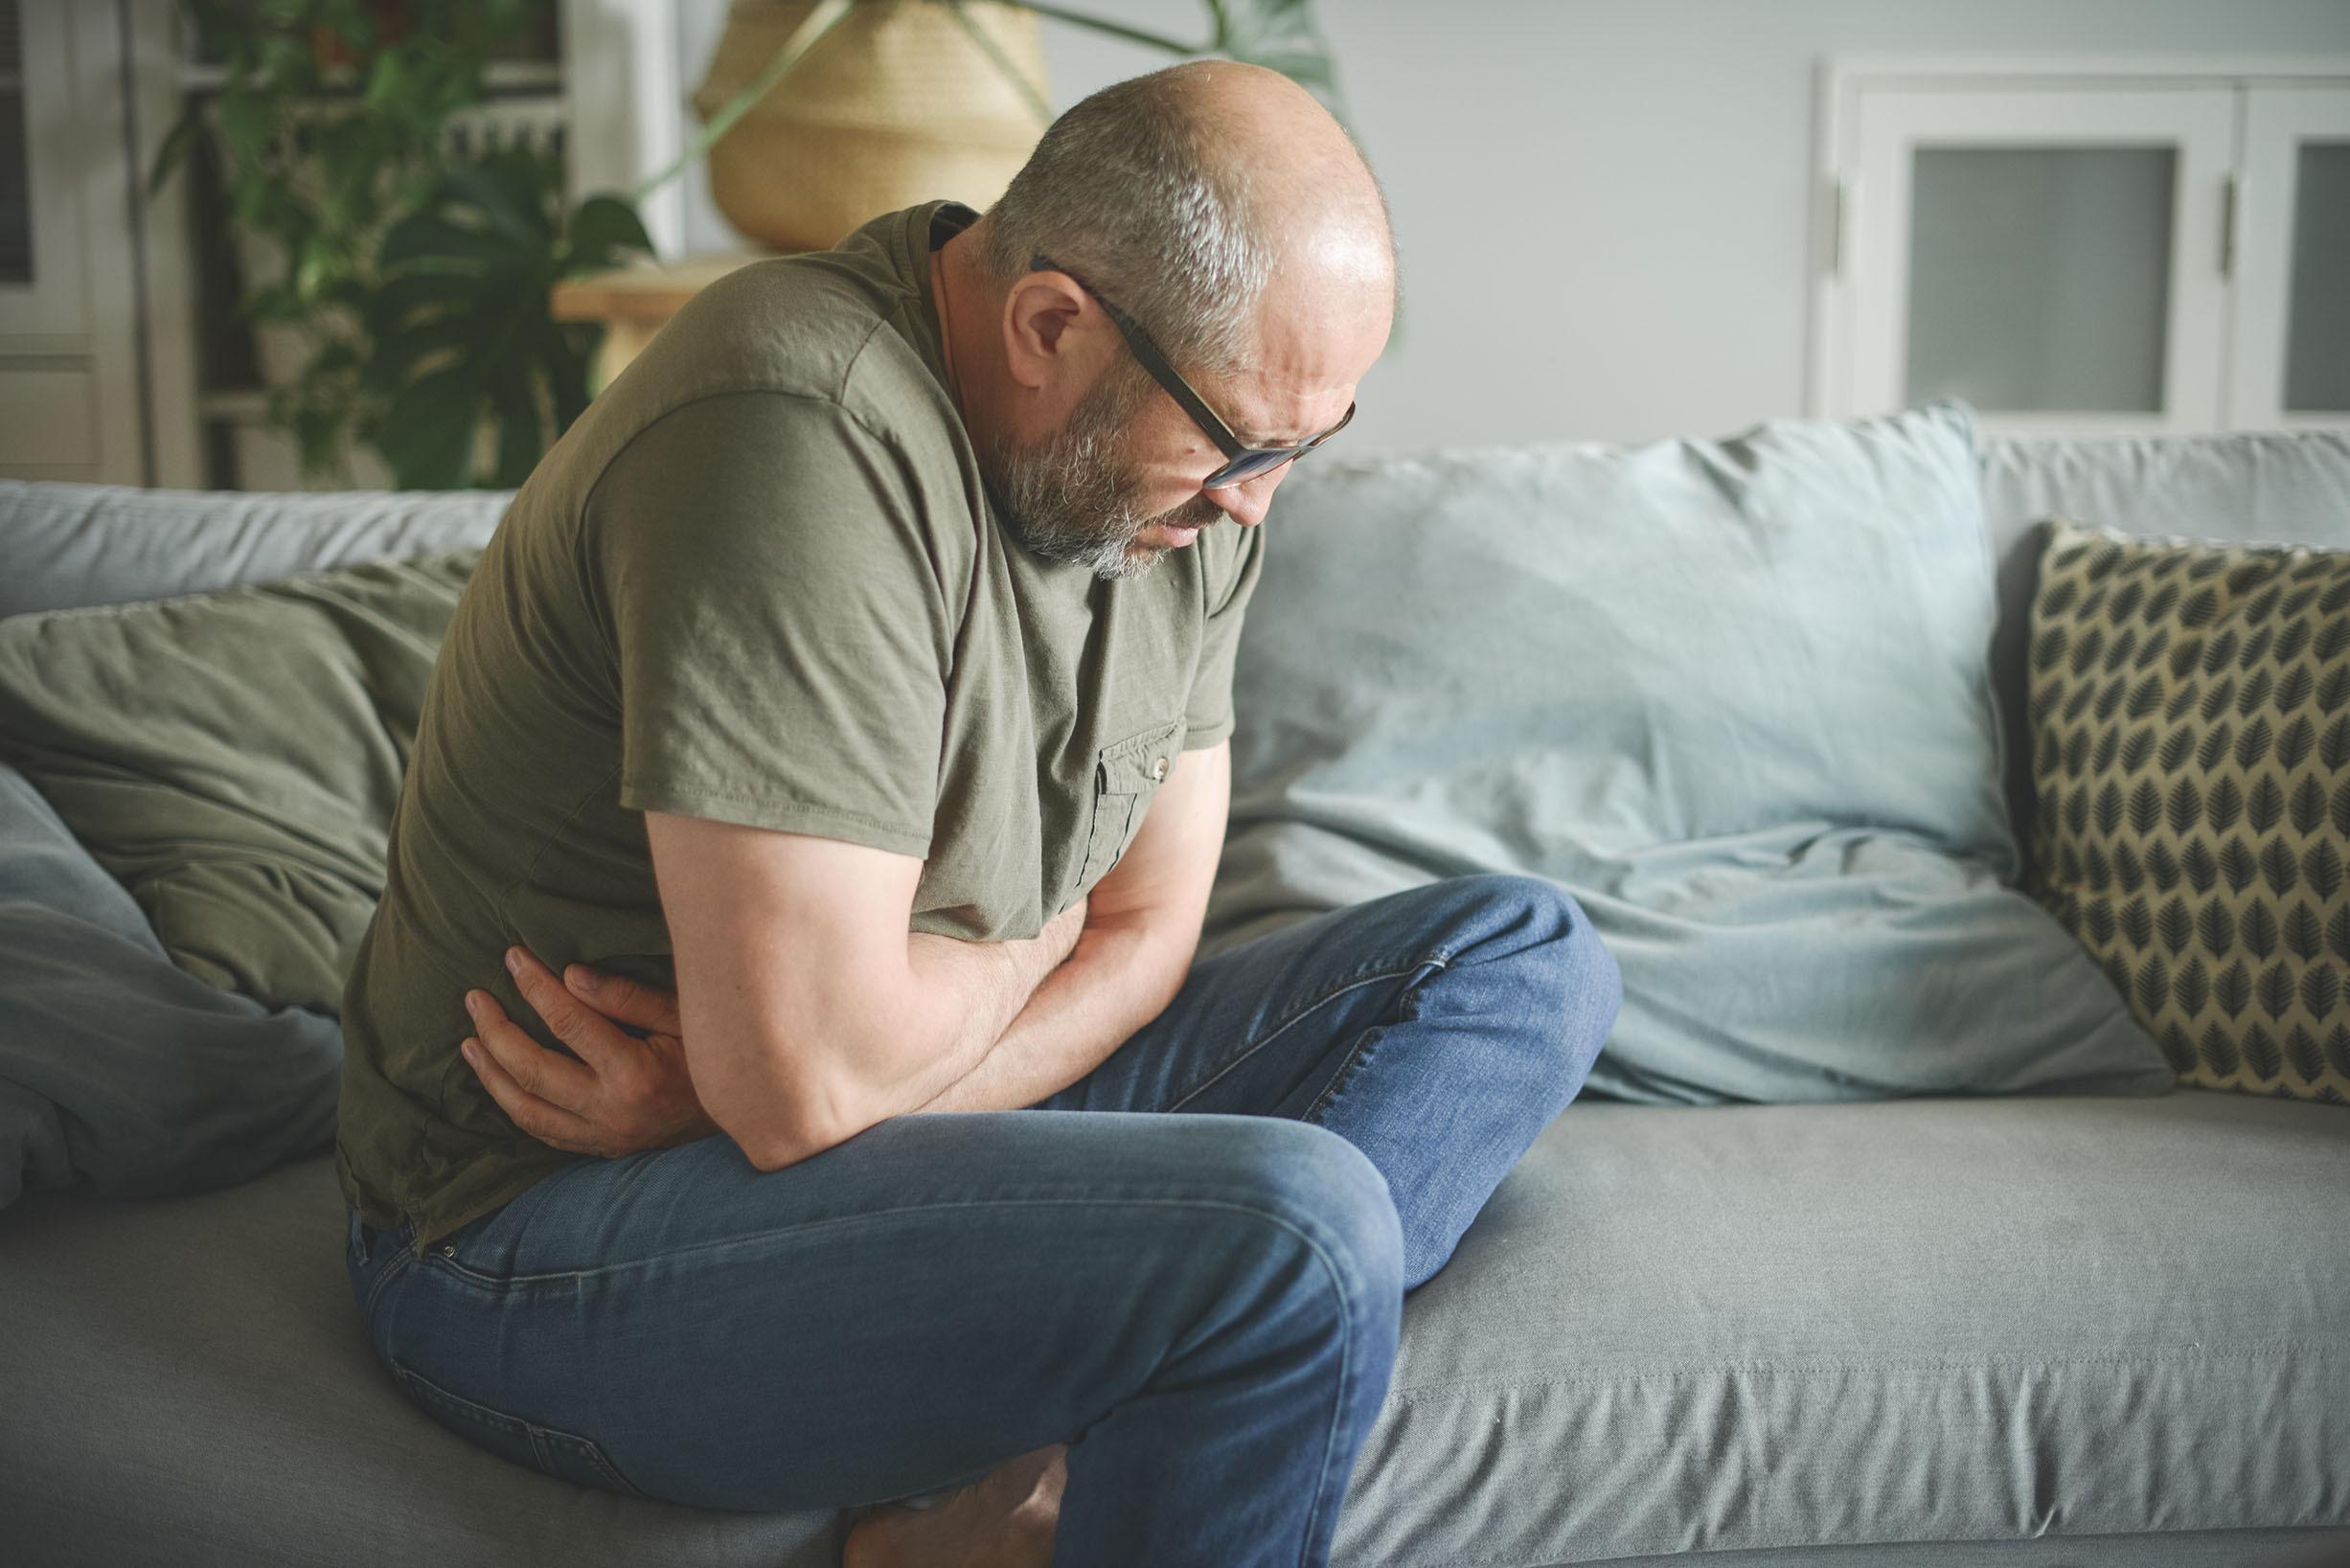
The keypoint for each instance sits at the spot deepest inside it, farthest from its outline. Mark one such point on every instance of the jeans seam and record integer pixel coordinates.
(439, 1263)
(1434, 960)
(539, 1436)
(1359, 1052)
(1337, 1399)
(391, 1264)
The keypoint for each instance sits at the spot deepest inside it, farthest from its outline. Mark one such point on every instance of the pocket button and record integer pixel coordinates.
(1158, 768)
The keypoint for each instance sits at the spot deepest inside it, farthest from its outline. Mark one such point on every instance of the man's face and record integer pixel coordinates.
(1078, 495)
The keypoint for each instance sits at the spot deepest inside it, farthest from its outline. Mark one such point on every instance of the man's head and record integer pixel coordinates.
(1229, 217)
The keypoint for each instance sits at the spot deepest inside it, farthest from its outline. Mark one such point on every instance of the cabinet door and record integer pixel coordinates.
(2291, 338)
(41, 290)
(70, 399)
(2050, 254)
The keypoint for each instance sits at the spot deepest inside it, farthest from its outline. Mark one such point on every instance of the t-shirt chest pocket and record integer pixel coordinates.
(1125, 777)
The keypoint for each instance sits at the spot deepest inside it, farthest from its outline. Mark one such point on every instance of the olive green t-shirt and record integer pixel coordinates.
(759, 581)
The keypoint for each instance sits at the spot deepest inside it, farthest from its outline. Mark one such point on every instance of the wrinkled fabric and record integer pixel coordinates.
(1731, 696)
(231, 759)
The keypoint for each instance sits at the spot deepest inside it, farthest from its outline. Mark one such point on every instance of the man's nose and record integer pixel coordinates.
(1246, 504)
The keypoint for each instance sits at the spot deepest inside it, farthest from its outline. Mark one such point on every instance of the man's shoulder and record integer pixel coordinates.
(792, 325)
(808, 345)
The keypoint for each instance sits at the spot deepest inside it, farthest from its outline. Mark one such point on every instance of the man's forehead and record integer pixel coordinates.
(1282, 403)
(1312, 345)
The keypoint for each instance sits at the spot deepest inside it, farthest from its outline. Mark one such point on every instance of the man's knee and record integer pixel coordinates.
(1316, 1200)
(1538, 930)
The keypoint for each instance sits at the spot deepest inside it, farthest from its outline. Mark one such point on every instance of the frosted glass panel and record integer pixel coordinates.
(2040, 277)
(2317, 318)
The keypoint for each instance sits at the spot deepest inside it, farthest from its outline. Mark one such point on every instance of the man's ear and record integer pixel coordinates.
(1040, 310)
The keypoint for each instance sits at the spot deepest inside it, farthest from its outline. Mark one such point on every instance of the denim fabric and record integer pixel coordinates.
(1204, 1305)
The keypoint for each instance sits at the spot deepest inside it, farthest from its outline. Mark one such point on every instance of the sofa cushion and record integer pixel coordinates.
(1731, 694)
(119, 1074)
(72, 545)
(188, 1382)
(2191, 756)
(1939, 1320)
(1720, 1330)
(2277, 487)
(233, 758)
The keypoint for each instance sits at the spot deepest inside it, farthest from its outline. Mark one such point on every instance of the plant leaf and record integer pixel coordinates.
(603, 230)
(427, 435)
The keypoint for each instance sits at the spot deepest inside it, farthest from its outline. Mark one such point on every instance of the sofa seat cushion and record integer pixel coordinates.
(188, 1381)
(1723, 1329)
(1735, 1329)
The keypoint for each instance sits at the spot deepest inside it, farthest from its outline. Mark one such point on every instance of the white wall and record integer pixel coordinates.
(1603, 204)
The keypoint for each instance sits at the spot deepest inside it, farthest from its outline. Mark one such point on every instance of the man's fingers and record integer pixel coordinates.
(548, 1124)
(576, 1026)
(537, 1071)
(641, 1006)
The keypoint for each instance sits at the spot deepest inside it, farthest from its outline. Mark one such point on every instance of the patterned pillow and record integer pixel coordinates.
(2190, 719)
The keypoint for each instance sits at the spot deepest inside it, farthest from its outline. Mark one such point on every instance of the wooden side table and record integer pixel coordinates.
(633, 303)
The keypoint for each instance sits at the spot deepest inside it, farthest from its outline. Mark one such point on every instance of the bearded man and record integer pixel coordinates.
(842, 711)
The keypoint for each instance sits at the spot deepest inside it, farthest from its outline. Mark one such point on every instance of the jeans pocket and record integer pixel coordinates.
(566, 1456)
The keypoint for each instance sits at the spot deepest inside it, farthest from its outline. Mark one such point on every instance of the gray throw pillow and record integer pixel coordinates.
(1732, 695)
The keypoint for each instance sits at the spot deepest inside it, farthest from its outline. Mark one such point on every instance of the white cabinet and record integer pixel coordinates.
(2119, 245)
(2290, 340)
(68, 294)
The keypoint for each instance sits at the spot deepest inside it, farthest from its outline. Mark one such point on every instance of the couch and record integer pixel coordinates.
(1930, 1330)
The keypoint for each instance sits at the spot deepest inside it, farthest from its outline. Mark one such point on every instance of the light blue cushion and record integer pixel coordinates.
(73, 545)
(119, 1074)
(1732, 695)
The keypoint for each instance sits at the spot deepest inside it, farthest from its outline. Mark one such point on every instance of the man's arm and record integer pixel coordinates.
(1139, 929)
(1142, 927)
(807, 1010)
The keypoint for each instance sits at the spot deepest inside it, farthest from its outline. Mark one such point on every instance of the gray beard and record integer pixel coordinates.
(1071, 496)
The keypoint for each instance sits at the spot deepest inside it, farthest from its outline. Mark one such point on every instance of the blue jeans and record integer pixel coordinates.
(1204, 1305)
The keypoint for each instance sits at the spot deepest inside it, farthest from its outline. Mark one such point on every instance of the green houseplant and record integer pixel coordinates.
(421, 275)
(333, 121)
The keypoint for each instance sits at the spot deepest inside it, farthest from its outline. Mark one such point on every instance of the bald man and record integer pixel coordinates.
(779, 1077)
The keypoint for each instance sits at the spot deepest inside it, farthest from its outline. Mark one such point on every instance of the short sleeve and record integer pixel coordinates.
(1207, 717)
(778, 621)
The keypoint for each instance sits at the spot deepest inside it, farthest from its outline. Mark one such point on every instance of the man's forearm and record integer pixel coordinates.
(1119, 979)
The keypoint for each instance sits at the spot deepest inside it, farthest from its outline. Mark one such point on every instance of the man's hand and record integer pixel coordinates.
(623, 1095)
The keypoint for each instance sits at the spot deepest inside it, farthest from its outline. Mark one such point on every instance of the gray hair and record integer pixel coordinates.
(1124, 191)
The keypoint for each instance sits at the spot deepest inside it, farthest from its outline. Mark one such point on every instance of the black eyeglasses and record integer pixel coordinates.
(1243, 461)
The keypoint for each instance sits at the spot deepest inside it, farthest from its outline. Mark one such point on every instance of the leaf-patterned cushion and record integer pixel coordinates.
(2190, 722)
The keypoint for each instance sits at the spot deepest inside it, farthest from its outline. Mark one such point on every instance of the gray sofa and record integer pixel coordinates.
(2034, 1330)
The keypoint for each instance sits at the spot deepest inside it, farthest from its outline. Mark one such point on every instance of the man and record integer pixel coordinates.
(858, 670)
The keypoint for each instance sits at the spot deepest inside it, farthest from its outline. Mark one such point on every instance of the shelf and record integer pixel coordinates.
(504, 78)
